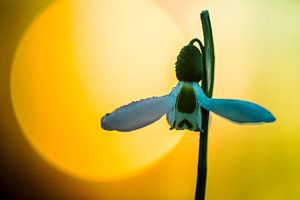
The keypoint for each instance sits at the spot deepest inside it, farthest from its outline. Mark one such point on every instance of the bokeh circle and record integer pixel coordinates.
(79, 60)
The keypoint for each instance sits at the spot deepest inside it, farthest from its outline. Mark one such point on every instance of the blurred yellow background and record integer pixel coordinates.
(65, 64)
(79, 61)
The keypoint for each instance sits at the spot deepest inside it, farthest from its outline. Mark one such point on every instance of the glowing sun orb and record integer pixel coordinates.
(81, 59)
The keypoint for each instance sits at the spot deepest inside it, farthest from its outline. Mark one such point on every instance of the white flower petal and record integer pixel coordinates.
(141, 113)
(235, 110)
(171, 117)
(185, 121)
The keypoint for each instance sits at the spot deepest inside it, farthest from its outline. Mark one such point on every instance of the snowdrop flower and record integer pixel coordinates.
(183, 104)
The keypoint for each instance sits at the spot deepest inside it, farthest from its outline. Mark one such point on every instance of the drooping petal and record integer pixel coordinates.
(239, 111)
(140, 113)
(235, 110)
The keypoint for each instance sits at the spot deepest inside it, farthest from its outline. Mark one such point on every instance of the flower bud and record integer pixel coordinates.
(189, 64)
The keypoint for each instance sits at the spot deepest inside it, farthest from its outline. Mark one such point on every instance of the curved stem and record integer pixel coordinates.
(207, 85)
(199, 42)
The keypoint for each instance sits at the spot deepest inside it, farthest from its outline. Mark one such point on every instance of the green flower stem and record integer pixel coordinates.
(207, 85)
(209, 55)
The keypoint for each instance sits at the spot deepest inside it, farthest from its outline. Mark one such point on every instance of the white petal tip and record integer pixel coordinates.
(270, 118)
(104, 125)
